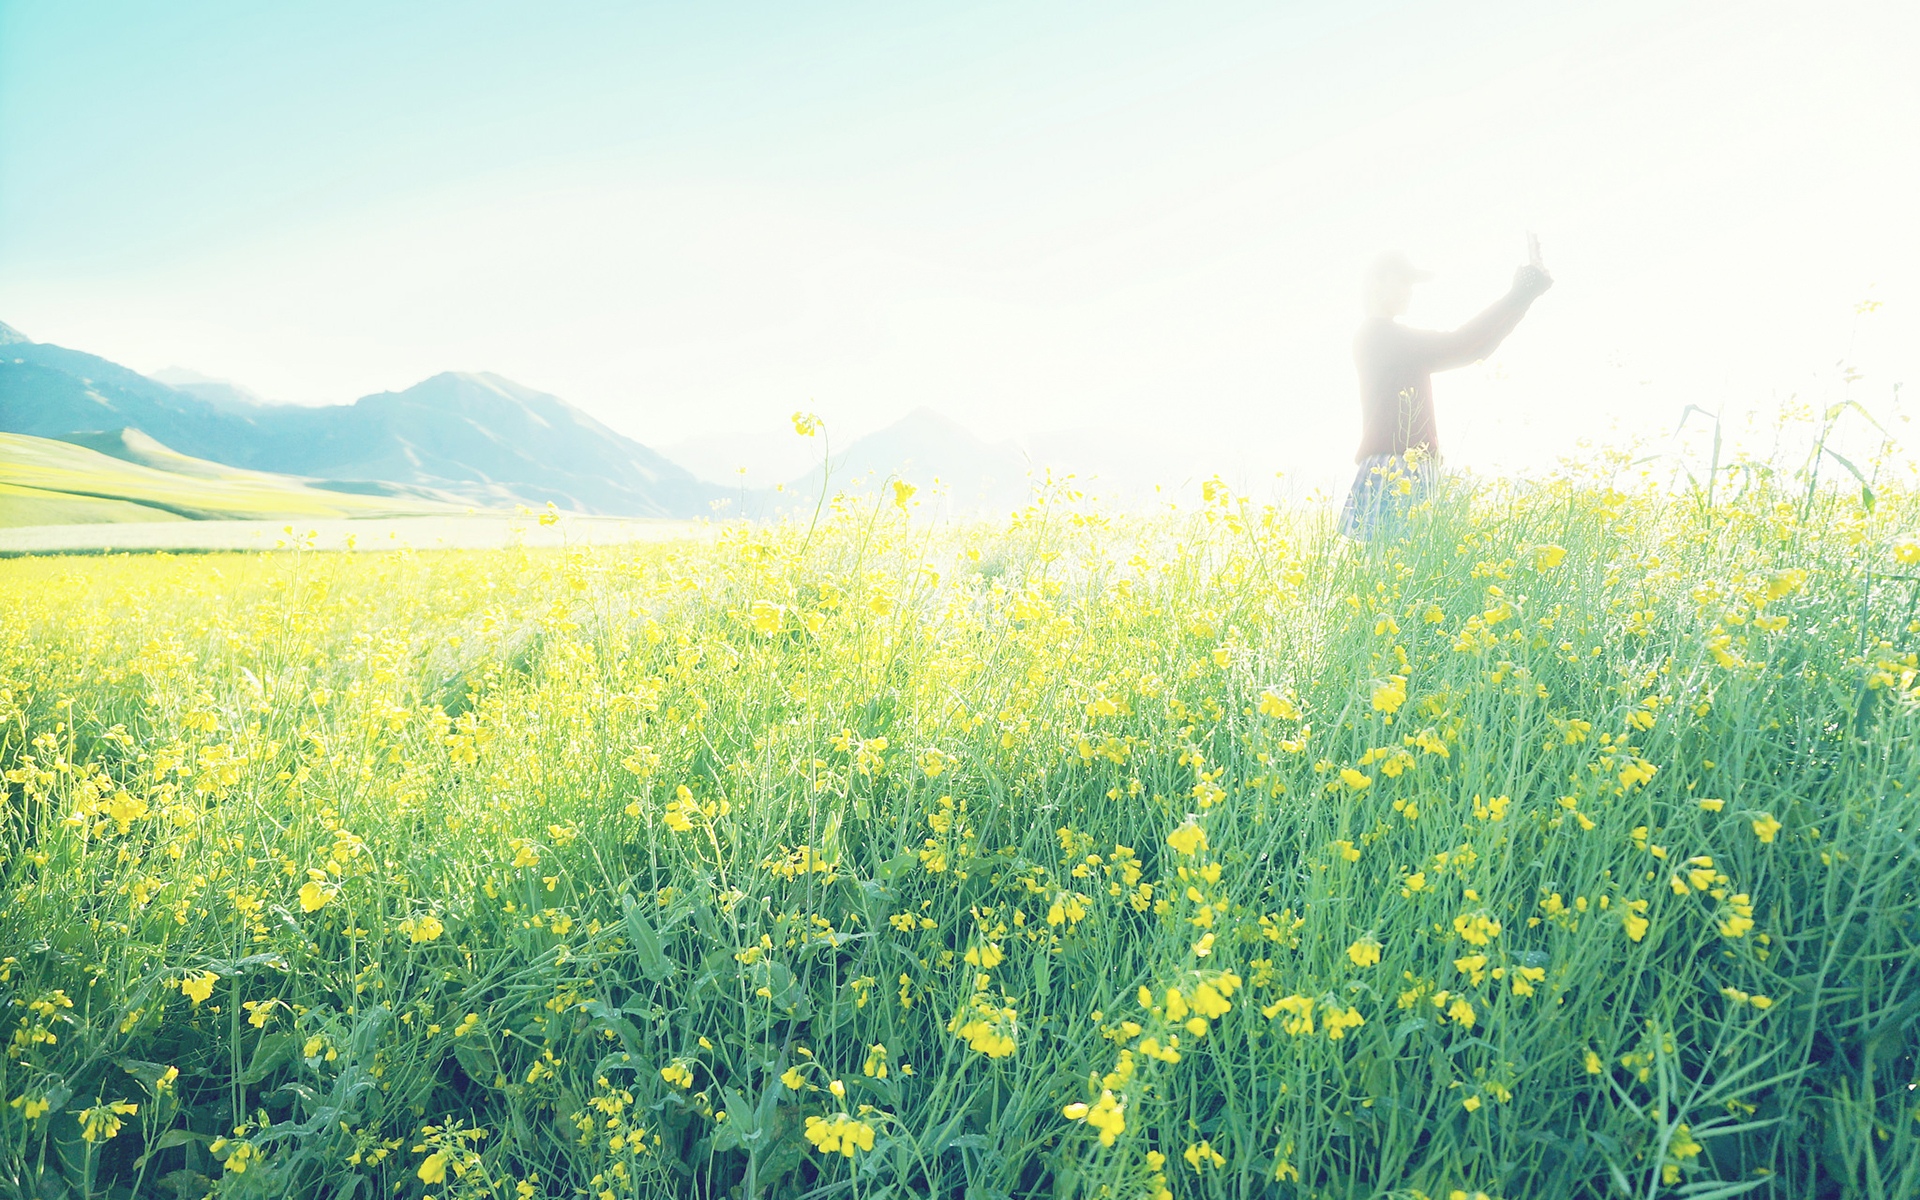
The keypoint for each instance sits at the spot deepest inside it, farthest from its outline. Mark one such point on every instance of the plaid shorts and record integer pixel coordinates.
(1384, 488)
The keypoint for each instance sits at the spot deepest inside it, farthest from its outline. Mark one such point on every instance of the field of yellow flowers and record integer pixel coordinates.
(1565, 847)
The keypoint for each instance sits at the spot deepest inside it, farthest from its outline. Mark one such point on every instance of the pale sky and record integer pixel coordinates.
(699, 218)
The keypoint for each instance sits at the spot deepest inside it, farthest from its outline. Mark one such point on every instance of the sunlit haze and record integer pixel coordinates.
(692, 220)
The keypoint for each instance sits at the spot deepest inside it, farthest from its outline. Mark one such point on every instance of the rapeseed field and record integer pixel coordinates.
(1562, 847)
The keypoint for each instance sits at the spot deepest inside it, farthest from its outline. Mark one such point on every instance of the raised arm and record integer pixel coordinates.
(1483, 334)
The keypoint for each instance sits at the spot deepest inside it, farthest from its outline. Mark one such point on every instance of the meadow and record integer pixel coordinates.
(125, 477)
(1564, 847)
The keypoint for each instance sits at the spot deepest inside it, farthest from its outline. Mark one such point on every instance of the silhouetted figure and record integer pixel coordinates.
(1400, 443)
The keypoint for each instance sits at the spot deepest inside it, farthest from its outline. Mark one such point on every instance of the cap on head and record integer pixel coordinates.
(1388, 287)
(1395, 267)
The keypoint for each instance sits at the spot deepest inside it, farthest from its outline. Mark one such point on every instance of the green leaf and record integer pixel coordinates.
(274, 1049)
(168, 1140)
(629, 1036)
(654, 963)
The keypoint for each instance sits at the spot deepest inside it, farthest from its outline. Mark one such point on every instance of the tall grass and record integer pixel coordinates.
(1562, 848)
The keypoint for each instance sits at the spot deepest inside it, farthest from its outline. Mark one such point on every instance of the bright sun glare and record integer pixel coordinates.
(1132, 222)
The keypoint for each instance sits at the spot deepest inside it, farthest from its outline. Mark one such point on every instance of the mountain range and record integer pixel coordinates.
(476, 438)
(965, 473)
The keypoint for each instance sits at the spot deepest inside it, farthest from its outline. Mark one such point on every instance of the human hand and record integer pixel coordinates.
(1530, 281)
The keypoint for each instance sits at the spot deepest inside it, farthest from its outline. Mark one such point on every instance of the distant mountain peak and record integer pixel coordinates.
(451, 385)
(9, 336)
(175, 376)
(927, 447)
(223, 393)
(927, 429)
(476, 435)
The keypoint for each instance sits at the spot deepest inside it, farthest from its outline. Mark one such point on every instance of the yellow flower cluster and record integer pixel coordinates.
(1107, 1114)
(839, 1134)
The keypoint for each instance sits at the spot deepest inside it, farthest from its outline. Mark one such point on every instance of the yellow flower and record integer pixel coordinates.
(314, 894)
(767, 616)
(1477, 928)
(985, 957)
(1338, 1021)
(1299, 1010)
(677, 1074)
(1739, 917)
(199, 986)
(681, 809)
(1210, 999)
(1635, 924)
(840, 1134)
(1189, 839)
(1766, 827)
(1907, 552)
(1593, 1063)
(1365, 952)
(1547, 557)
(1279, 707)
(1354, 779)
(1473, 966)
(423, 929)
(1461, 1012)
(434, 1170)
(986, 1029)
(1201, 1155)
(1176, 1006)
(806, 424)
(1107, 1114)
(793, 1079)
(102, 1122)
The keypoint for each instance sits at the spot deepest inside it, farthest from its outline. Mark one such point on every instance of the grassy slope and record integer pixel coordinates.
(37, 506)
(53, 482)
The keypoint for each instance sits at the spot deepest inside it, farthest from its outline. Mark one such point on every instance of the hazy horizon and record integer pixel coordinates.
(1132, 218)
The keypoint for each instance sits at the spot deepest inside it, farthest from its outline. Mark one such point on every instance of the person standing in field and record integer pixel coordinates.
(1399, 453)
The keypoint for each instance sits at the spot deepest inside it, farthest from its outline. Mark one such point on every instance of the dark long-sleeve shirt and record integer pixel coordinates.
(1396, 367)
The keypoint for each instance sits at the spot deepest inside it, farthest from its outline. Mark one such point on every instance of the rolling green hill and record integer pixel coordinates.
(477, 437)
(127, 476)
